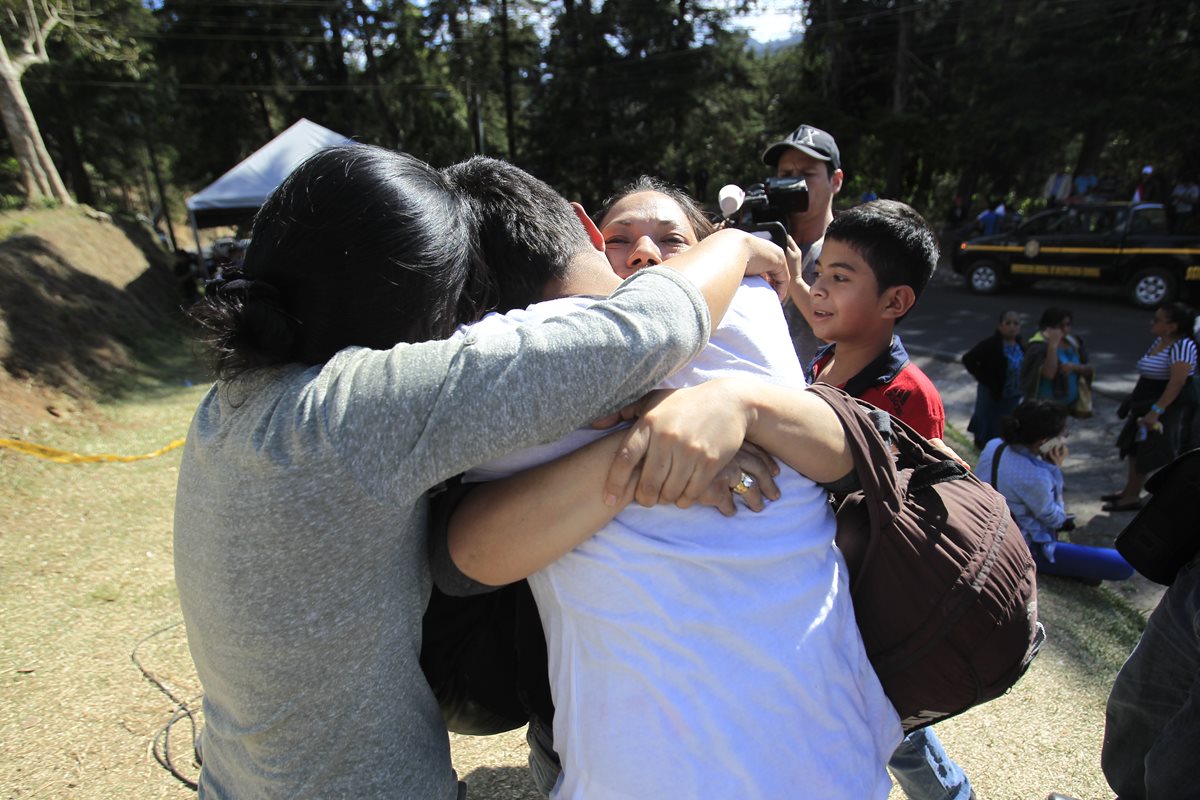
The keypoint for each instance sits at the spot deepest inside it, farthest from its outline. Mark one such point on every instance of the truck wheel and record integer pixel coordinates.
(983, 277)
(1150, 286)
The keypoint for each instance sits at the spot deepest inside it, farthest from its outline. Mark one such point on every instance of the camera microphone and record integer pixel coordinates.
(730, 199)
(763, 208)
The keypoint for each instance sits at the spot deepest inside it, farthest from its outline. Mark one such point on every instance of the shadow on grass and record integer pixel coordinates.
(88, 338)
(501, 783)
(1089, 626)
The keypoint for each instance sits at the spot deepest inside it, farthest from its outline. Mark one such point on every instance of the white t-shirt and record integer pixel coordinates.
(694, 655)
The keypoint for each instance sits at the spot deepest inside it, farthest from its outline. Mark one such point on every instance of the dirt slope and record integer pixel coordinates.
(78, 293)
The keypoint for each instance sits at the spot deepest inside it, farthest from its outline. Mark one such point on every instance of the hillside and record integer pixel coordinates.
(79, 296)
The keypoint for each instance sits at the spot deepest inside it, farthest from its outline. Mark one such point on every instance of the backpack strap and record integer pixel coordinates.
(996, 464)
(930, 465)
(930, 474)
(872, 434)
(873, 460)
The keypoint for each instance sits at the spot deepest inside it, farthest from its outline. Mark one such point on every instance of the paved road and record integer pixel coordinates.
(949, 320)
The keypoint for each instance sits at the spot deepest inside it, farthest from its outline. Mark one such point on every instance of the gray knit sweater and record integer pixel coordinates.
(300, 551)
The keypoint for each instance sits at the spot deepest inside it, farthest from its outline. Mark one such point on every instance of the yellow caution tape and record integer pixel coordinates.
(64, 457)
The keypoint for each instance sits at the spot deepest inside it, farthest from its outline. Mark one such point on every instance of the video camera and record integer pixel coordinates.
(763, 208)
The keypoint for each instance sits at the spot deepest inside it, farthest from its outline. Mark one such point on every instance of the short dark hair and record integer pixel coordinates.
(1032, 421)
(895, 241)
(701, 224)
(1181, 315)
(1054, 316)
(358, 246)
(527, 233)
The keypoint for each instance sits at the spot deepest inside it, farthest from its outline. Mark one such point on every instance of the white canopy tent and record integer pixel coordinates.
(235, 196)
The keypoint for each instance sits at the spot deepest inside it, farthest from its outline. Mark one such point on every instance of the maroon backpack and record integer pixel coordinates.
(942, 580)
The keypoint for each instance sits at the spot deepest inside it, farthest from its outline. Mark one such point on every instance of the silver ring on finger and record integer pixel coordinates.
(744, 485)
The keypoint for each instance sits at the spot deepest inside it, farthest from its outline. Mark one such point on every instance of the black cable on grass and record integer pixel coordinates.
(160, 748)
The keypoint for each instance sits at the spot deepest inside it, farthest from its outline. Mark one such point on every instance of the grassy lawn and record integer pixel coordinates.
(87, 579)
(87, 574)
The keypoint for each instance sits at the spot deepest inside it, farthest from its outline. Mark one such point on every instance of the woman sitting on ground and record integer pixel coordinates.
(1025, 465)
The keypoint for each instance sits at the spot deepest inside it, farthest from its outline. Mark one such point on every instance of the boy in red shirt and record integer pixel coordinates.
(877, 259)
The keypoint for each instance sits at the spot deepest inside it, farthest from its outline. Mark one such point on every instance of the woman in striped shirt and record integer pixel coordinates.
(1156, 407)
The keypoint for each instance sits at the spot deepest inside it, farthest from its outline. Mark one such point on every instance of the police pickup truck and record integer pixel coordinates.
(1115, 244)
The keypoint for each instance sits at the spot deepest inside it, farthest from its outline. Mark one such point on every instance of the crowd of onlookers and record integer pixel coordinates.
(1048, 378)
(1182, 202)
(1027, 392)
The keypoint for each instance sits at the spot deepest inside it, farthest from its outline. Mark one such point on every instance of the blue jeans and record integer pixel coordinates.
(543, 761)
(925, 770)
(1152, 723)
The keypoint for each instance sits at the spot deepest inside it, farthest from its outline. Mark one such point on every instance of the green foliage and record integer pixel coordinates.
(11, 194)
(82, 97)
(928, 98)
(633, 87)
(13, 226)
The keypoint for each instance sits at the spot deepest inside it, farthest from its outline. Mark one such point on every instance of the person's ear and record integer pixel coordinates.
(592, 231)
(897, 301)
(835, 180)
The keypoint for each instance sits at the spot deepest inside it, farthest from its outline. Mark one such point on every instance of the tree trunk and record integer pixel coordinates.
(363, 15)
(967, 182)
(833, 47)
(335, 50)
(38, 173)
(900, 88)
(72, 152)
(506, 68)
(1094, 139)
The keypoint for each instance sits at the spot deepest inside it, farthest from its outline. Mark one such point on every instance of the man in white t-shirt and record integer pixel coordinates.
(693, 654)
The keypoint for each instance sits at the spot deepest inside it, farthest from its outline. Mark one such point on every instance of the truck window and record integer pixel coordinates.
(1101, 221)
(1071, 222)
(1042, 223)
(1149, 220)
(1063, 223)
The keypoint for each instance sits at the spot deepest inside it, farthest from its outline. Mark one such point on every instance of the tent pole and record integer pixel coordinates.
(201, 267)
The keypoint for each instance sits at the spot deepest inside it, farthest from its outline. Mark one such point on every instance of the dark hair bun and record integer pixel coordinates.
(359, 246)
(244, 323)
(1032, 421)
